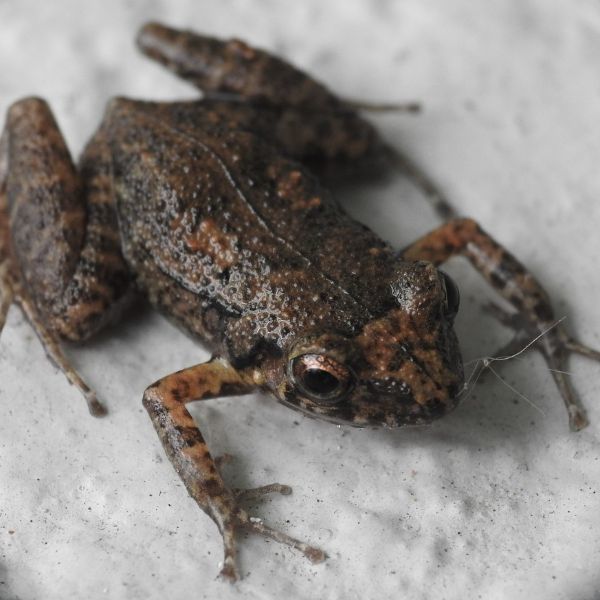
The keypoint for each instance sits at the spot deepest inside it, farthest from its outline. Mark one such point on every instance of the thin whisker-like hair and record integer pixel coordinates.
(485, 362)
(510, 387)
(489, 359)
(533, 341)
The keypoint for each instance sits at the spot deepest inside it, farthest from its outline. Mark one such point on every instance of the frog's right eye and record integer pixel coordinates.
(452, 301)
(320, 378)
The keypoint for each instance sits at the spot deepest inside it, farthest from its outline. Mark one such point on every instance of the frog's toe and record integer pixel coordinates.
(558, 367)
(229, 571)
(237, 519)
(556, 347)
(557, 357)
(314, 555)
(578, 348)
(260, 492)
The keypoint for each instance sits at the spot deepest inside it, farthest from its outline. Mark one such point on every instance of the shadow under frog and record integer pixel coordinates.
(205, 208)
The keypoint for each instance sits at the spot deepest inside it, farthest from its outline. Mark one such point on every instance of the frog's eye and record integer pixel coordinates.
(320, 377)
(452, 296)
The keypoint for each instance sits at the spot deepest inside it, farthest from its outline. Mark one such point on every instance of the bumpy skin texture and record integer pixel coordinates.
(252, 254)
(68, 250)
(268, 96)
(202, 208)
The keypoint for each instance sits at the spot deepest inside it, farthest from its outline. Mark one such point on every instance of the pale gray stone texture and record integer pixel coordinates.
(498, 500)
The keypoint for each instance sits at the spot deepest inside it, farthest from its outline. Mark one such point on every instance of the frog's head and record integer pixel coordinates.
(403, 367)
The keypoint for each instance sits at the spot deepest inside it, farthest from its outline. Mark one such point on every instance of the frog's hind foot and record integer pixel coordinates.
(556, 346)
(11, 292)
(54, 352)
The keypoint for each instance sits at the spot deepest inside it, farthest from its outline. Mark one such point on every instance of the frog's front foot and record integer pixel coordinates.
(555, 344)
(241, 520)
(165, 402)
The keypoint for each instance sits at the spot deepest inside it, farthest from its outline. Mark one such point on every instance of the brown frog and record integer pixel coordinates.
(202, 207)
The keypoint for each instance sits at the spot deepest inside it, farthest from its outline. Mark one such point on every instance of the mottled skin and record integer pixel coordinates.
(202, 207)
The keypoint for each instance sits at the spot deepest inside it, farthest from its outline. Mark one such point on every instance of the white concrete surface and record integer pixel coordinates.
(499, 499)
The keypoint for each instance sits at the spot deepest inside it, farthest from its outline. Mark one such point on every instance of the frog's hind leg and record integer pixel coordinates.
(306, 120)
(290, 109)
(534, 319)
(61, 240)
(165, 402)
(6, 299)
(232, 67)
(233, 70)
(6, 268)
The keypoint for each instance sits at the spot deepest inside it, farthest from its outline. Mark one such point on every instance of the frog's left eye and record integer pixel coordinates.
(320, 378)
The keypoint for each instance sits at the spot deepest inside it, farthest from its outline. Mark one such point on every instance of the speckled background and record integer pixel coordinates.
(498, 500)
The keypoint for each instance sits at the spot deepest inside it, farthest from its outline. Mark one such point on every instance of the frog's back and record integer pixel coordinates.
(239, 244)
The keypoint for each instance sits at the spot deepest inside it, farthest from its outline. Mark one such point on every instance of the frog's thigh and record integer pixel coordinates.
(301, 116)
(6, 268)
(62, 224)
(231, 67)
(60, 252)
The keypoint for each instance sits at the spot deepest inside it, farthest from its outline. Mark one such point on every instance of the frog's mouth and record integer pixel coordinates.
(413, 386)
(366, 408)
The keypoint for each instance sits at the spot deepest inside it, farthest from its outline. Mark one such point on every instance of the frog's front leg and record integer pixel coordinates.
(165, 402)
(534, 317)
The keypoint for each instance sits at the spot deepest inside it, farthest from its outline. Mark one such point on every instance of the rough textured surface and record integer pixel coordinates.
(498, 500)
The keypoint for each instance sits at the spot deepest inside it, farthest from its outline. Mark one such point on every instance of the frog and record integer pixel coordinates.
(215, 211)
